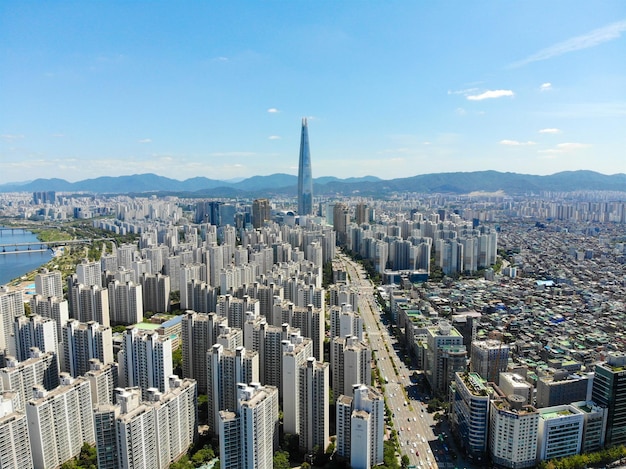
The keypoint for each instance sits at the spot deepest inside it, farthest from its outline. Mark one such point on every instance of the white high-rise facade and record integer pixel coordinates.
(513, 432)
(560, 431)
(11, 306)
(226, 368)
(314, 400)
(83, 342)
(361, 427)
(14, 442)
(199, 334)
(59, 422)
(89, 273)
(21, 377)
(351, 363)
(145, 360)
(149, 434)
(250, 436)
(489, 358)
(125, 302)
(49, 284)
(51, 307)
(296, 351)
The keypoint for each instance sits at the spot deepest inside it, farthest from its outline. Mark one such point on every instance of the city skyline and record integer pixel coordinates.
(391, 90)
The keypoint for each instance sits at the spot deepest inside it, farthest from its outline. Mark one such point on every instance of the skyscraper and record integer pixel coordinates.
(305, 179)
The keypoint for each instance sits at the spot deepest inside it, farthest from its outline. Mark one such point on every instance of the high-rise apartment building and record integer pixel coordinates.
(11, 306)
(49, 284)
(59, 422)
(249, 436)
(345, 321)
(314, 400)
(84, 341)
(199, 334)
(145, 360)
(14, 441)
(156, 292)
(35, 331)
(225, 369)
(609, 390)
(103, 380)
(351, 363)
(88, 303)
(52, 307)
(305, 177)
(21, 377)
(89, 273)
(296, 351)
(153, 433)
(361, 427)
(125, 302)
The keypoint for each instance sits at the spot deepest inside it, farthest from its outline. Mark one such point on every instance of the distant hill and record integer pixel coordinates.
(286, 184)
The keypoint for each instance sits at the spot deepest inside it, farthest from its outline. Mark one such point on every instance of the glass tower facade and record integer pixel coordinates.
(305, 179)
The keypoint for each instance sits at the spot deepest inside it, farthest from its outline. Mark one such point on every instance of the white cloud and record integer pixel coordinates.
(584, 41)
(11, 137)
(550, 131)
(515, 143)
(545, 86)
(145, 140)
(233, 154)
(465, 91)
(274, 137)
(273, 110)
(490, 94)
(565, 148)
(460, 111)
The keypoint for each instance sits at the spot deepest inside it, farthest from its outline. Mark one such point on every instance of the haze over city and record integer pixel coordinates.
(390, 89)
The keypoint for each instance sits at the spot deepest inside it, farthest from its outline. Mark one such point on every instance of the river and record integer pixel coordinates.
(14, 265)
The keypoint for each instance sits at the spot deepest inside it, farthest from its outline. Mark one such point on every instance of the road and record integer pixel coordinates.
(413, 424)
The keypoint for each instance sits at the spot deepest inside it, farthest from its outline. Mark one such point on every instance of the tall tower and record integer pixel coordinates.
(305, 179)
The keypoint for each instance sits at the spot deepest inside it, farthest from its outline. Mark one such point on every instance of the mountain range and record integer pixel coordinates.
(286, 184)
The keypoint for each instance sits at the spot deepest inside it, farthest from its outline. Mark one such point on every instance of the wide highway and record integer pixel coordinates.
(413, 424)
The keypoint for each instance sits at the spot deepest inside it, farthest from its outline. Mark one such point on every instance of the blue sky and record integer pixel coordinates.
(391, 89)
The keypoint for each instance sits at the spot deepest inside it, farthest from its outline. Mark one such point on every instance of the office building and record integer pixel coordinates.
(83, 342)
(609, 390)
(513, 434)
(14, 442)
(361, 427)
(489, 358)
(470, 412)
(594, 427)
(59, 422)
(49, 284)
(557, 387)
(445, 355)
(261, 212)
(560, 432)
(305, 177)
(514, 383)
(145, 360)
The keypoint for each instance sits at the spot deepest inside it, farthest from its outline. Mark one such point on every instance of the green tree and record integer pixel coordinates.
(405, 461)
(281, 460)
(177, 361)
